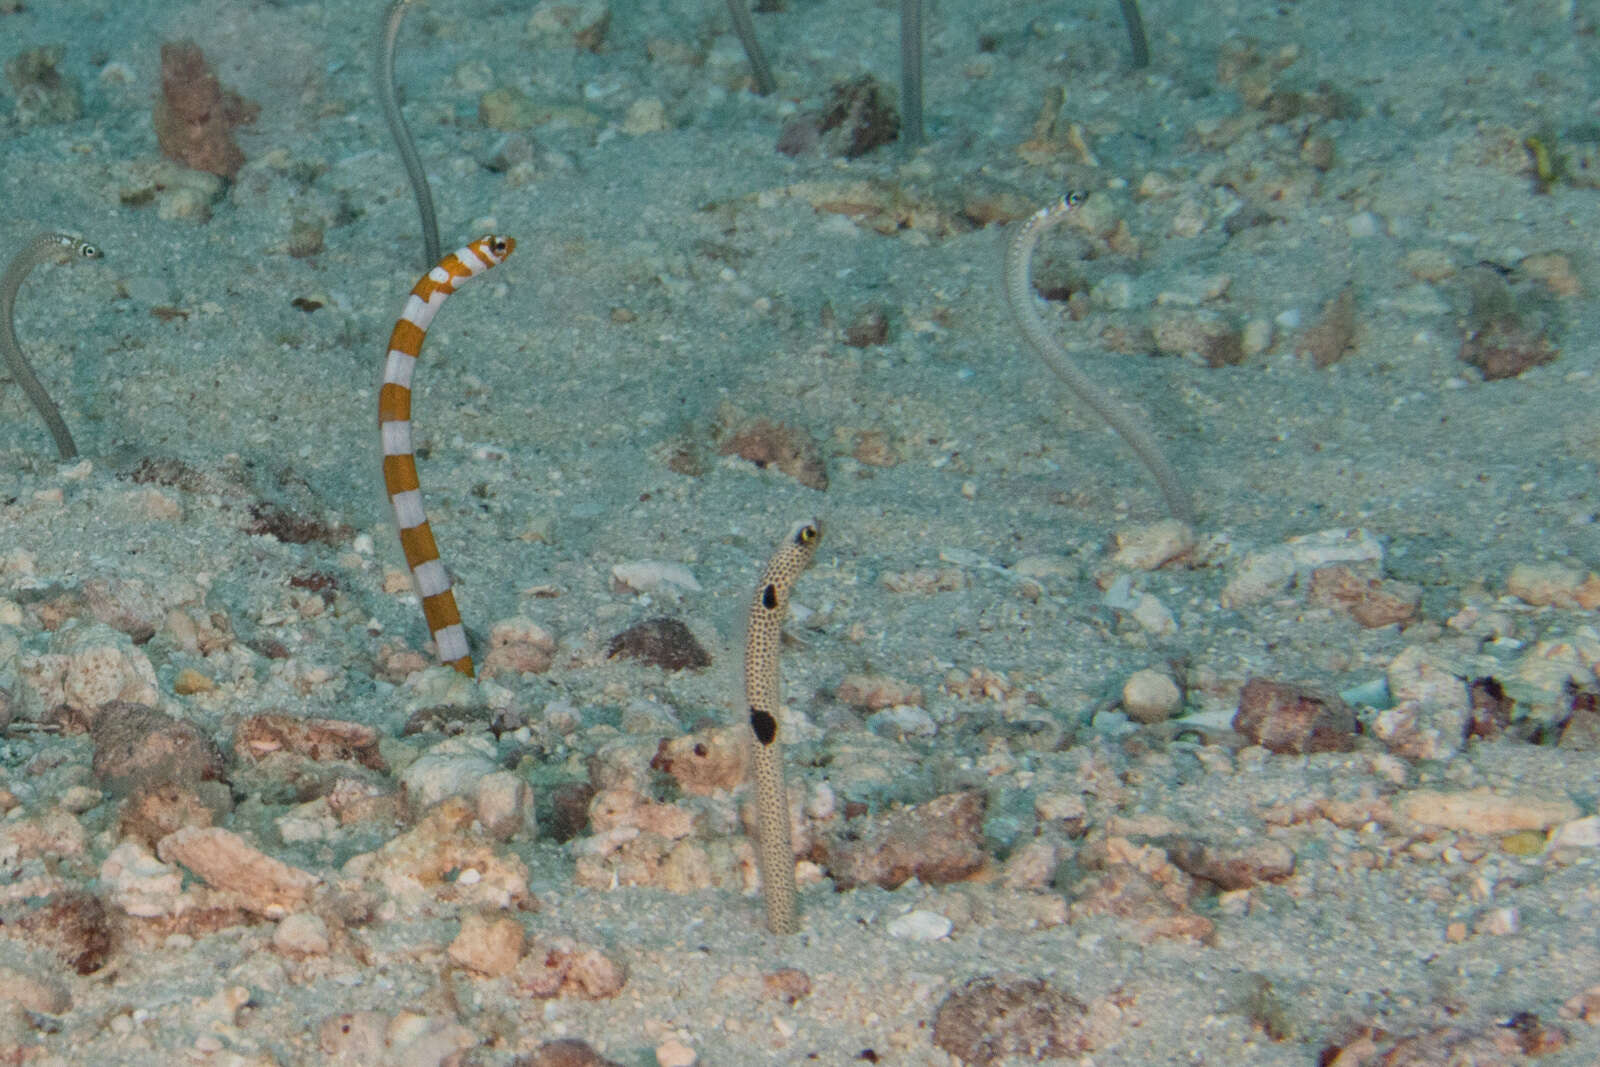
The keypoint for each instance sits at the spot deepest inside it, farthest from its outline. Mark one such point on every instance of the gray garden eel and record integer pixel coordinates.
(761, 691)
(389, 98)
(1019, 295)
(33, 253)
(745, 27)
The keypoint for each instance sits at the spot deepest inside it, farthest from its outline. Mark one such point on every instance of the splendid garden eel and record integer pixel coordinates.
(399, 461)
(761, 691)
(33, 253)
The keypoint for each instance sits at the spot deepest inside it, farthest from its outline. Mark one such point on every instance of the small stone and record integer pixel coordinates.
(1369, 601)
(660, 642)
(873, 692)
(920, 925)
(1259, 576)
(35, 992)
(674, 1053)
(1150, 696)
(705, 762)
(518, 646)
(189, 681)
(224, 860)
(504, 805)
(567, 1052)
(1292, 719)
(1147, 546)
(1577, 833)
(1483, 812)
(1429, 264)
(786, 984)
(301, 934)
(491, 947)
(648, 115)
(1231, 866)
(653, 576)
(1554, 584)
(1363, 224)
(937, 842)
(136, 746)
(1554, 271)
(992, 1017)
(453, 767)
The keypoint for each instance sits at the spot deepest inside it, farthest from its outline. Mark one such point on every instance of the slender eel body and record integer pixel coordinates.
(389, 98)
(1019, 295)
(911, 135)
(36, 251)
(745, 27)
(399, 462)
(761, 691)
(1138, 44)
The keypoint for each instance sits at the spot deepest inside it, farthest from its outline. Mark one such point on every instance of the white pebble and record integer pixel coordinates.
(920, 925)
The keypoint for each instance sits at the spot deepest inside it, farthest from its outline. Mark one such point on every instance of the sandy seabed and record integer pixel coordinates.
(1011, 687)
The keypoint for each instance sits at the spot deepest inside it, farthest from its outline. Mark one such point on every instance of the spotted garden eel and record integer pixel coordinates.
(1019, 295)
(33, 253)
(388, 96)
(761, 692)
(400, 463)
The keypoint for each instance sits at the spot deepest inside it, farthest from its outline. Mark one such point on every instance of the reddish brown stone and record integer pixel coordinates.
(704, 762)
(1370, 602)
(937, 842)
(135, 746)
(772, 444)
(1291, 719)
(318, 740)
(73, 925)
(661, 642)
(195, 116)
(990, 1018)
(1232, 866)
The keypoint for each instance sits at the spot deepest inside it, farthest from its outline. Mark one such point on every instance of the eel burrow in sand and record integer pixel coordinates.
(399, 462)
(761, 690)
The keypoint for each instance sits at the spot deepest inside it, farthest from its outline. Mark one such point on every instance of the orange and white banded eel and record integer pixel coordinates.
(400, 463)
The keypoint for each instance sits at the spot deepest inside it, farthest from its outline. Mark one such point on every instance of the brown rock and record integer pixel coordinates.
(195, 116)
(319, 740)
(786, 984)
(704, 762)
(1291, 719)
(1505, 348)
(517, 647)
(937, 842)
(874, 692)
(153, 811)
(1371, 602)
(1232, 866)
(569, 810)
(491, 947)
(660, 642)
(568, 1052)
(772, 444)
(138, 746)
(990, 1018)
(1334, 333)
(223, 860)
(562, 967)
(73, 925)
